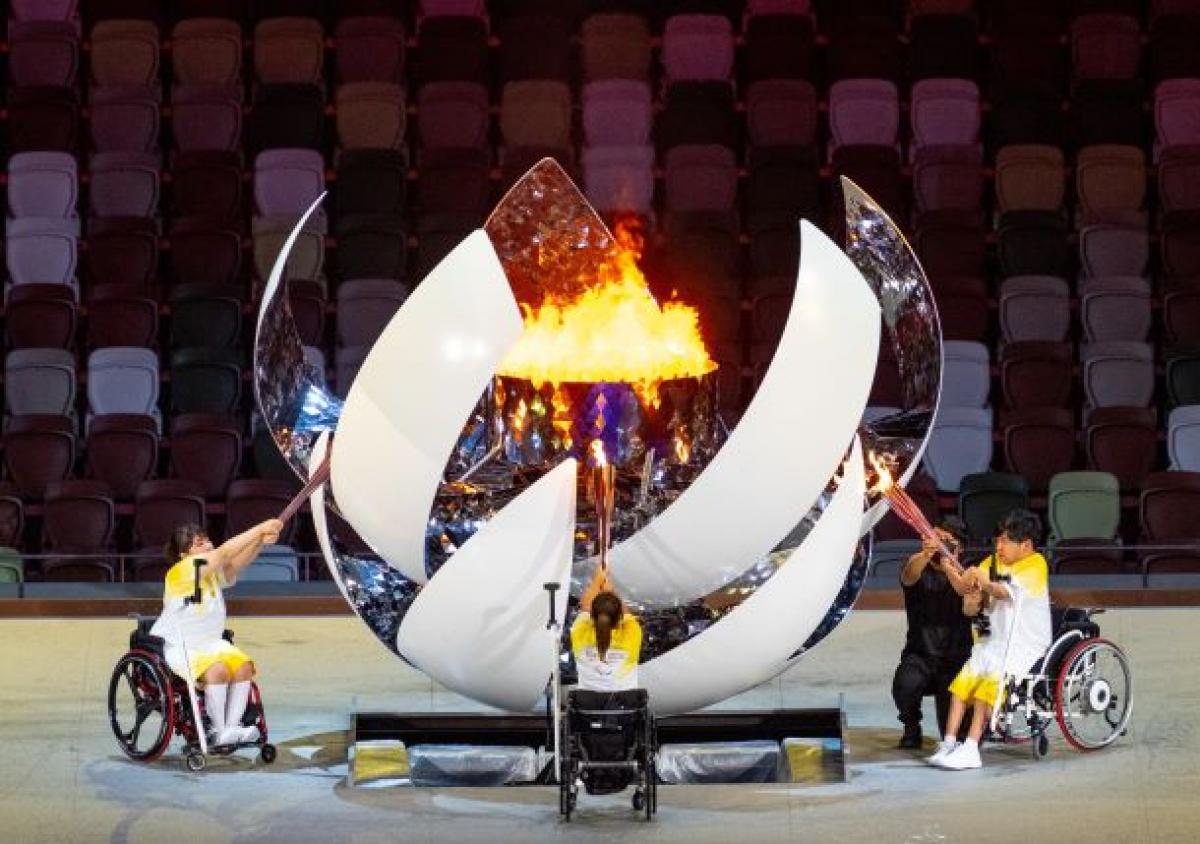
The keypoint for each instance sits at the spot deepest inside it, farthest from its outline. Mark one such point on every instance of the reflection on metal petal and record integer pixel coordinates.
(377, 593)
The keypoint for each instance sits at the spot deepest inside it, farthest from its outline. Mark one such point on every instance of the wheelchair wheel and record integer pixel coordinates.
(141, 708)
(1094, 694)
(195, 761)
(267, 753)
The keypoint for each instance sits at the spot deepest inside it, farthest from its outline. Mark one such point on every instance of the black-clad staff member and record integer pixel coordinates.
(939, 634)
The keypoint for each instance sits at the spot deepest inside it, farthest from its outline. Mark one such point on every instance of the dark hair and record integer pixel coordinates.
(1020, 525)
(181, 540)
(957, 529)
(606, 615)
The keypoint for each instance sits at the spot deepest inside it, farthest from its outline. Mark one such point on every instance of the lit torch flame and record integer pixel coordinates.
(614, 331)
(903, 505)
(604, 497)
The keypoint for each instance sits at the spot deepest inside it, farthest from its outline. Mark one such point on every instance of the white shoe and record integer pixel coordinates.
(229, 735)
(944, 749)
(963, 757)
(248, 735)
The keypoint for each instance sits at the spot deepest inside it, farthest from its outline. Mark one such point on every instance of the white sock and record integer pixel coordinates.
(949, 742)
(214, 704)
(239, 696)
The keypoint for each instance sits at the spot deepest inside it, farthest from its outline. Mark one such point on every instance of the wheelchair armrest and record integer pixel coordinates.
(227, 635)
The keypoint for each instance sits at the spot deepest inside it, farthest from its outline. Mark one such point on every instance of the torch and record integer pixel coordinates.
(603, 480)
(907, 509)
(318, 477)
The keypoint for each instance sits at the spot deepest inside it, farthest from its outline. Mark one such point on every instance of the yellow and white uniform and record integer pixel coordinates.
(1020, 630)
(617, 672)
(201, 626)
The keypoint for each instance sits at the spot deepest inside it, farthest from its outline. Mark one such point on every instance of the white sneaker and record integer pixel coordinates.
(229, 735)
(944, 749)
(248, 735)
(963, 757)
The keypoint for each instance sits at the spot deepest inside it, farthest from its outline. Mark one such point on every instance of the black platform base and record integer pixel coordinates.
(385, 745)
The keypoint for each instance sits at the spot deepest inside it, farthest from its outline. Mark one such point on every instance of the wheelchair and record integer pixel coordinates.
(148, 705)
(608, 743)
(1083, 683)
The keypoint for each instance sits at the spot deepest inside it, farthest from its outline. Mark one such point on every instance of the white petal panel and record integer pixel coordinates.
(320, 516)
(752, 643)
(479, 626)
(412, 396)
(782, 452)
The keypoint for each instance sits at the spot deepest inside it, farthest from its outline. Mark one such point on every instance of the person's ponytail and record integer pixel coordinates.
(606, 615)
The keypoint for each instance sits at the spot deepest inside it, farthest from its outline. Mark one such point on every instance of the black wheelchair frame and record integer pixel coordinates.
(608, 742)
(158, 691)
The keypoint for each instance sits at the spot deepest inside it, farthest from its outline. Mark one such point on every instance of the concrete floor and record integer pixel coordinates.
(62, 778)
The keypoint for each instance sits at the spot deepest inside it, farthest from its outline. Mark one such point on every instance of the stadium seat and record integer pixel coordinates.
(1035, 307)
(124, 184)
(78, 517)
(38, 449)
(1122, 441)
(1117, 373)
(370, 49)
(985, 498)
(961, 444)
(1039, 442)
(122, 451)
(206, 449)
(1115, 308)
(42, 184)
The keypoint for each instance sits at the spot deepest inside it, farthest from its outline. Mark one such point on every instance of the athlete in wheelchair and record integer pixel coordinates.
(1030, 664)
(183, 674)
(608, 740)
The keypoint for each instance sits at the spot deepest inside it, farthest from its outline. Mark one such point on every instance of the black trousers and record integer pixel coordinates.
(917, 676)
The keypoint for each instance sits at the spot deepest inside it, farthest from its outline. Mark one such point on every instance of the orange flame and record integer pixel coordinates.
(614, 331)
(598, 455)
(883, 480)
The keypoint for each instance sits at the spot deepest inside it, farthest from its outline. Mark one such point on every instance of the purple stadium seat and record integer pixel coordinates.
(41, 316)
(1036, 374)
(289, 50)
(78, 518)
(1183, 438)
(1117, 373)
(206, 449)
(781, 112)
(863, 111)
(701, 178)
(43, 53)
(286, 181)
(125, 54)
(697, 47)
(1115, 308)
(1105, 46)
(961, 444)
(121, 315)
(1039, 443)
(365, 307)
(122, 451)
(207, 51)
(123, 250)
(617, 112)
(966, 376)
(1035, 307)
(1123, 441)
(370, 49)
(45, 10)
(38, 449)
(1176, 113)
(123, 379)
(41, 249)
(943, 112)
(206, 117)
(124, 119)
(948, 177)
(124, 184)
(42, 184)
(1107, 249)
(619, 178)
(371, 115)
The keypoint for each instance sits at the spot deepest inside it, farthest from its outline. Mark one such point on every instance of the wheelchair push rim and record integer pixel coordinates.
(141, 708)
(1094, 694)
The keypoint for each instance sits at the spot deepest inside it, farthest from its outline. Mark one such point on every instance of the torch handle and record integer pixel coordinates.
(315, 480)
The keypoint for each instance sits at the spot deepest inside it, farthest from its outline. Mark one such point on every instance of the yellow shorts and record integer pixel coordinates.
(233, 658)
(968, 686)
